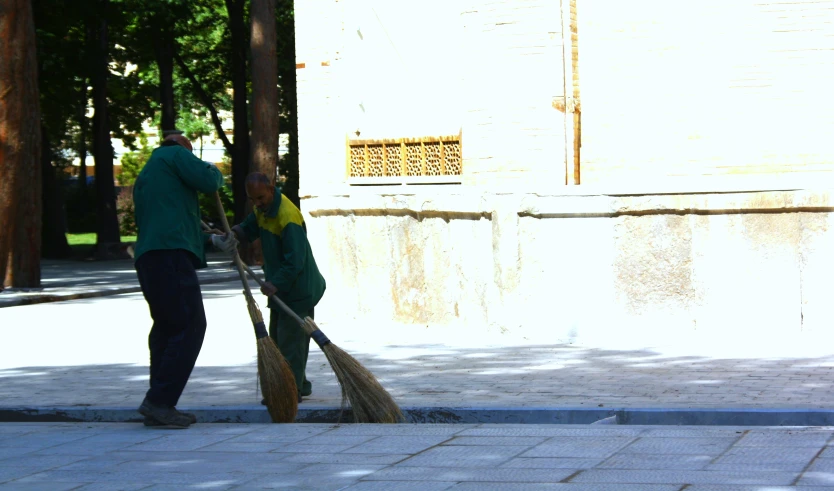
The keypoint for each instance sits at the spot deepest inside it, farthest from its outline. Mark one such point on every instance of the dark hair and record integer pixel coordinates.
(168, 143)
(258, 178)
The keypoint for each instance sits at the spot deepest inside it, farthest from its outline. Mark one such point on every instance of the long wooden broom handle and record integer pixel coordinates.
(242, 266)
(236, 257)
(312, 330)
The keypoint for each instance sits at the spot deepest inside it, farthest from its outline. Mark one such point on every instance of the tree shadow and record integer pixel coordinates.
(436, 375)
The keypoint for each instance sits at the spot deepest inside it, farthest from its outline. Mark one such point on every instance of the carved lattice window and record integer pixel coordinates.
(404, 160)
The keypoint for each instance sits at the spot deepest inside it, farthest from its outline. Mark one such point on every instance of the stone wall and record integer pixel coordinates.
(667, 93)
(580, 267)
(489, 71)
(708, 88)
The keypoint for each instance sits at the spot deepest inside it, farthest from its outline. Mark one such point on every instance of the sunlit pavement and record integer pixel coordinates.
(415, 457)
(93, 352)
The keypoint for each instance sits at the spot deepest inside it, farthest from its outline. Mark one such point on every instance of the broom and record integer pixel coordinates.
(371, 403)
(277, 380)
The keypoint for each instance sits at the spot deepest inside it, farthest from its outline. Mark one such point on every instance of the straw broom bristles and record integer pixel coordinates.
(276, 377)
(277, 380)
(370, 402)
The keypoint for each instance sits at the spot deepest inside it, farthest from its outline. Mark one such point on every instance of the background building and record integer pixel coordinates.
(571, 170)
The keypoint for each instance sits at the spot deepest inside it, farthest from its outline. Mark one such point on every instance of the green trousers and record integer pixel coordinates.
(294, 344)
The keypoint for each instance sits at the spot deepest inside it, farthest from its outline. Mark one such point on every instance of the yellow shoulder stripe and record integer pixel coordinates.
(287, 213)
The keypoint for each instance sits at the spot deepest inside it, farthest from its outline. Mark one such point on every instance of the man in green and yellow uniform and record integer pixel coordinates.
(169, 249)
(290, 270)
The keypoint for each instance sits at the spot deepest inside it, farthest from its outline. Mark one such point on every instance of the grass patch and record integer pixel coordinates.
(90, 239)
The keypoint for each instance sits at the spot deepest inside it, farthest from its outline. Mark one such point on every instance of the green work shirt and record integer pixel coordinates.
(166, 205)
(288, 258)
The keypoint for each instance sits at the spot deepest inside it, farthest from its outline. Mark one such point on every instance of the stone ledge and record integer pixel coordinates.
(476, 204)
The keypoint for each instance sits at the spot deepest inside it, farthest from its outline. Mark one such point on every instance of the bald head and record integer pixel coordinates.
(260, 190)
(178, 140)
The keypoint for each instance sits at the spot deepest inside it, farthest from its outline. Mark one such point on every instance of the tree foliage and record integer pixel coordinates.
(210, 78)
(132, 162)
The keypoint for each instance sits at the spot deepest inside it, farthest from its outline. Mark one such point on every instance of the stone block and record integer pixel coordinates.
(478, 486)
(400, 486)
(179, 443)
(794, 438)
(55, 486)
(464, 457)
(578, 447)
(719, 487)
(494, 440)
(552, 463)
(816, 479)
(760, 467)
(550, 431)
(422, 430)
(684, 477)
(746, 270)
(817, 268)
(399, 473)
(674, 446)
(397, 444)
(345, 458)
(565, 277)
(325, 476)
(756, 455)
(693, 462)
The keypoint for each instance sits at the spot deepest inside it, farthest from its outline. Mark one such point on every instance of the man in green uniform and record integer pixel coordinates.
(290, 270)
(169, 249)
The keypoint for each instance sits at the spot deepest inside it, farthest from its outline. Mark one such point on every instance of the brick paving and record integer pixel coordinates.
(415, 457)
(93, 352)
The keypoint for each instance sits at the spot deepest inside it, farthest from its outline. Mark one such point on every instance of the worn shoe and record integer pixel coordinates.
(152, 422)
(165, 415)
(191, 417)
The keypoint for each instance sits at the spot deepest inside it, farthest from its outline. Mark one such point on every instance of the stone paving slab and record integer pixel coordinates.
(399, 457)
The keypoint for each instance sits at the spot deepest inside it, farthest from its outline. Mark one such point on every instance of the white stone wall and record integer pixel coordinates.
(487, 70)
(712, 96)
(710, 88)
(581, 268)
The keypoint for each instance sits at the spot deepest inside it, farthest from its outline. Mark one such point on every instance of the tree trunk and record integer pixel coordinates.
(54, 232)
(265, 102)
(82, 135)
(289, 95)
(107, 223)
(20, 141)
(164, 50)
(240, 155)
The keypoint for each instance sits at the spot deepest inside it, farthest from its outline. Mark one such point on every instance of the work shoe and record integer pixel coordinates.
(166, 415)
(152, 422)
(191, 417)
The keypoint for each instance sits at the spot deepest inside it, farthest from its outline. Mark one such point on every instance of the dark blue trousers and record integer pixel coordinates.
(170, 286)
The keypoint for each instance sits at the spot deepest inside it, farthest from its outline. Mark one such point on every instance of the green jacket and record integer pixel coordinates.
(288, 258)
(165, 202)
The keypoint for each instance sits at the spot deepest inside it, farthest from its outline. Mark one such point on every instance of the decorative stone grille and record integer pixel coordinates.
(405, 157)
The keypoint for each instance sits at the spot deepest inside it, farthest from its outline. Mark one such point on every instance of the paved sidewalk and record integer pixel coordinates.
(90, 356)
(73, 280)
(92, 353)
(415, 457)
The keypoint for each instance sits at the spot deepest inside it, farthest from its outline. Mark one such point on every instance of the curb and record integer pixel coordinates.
(49, 298)
(449, 415)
